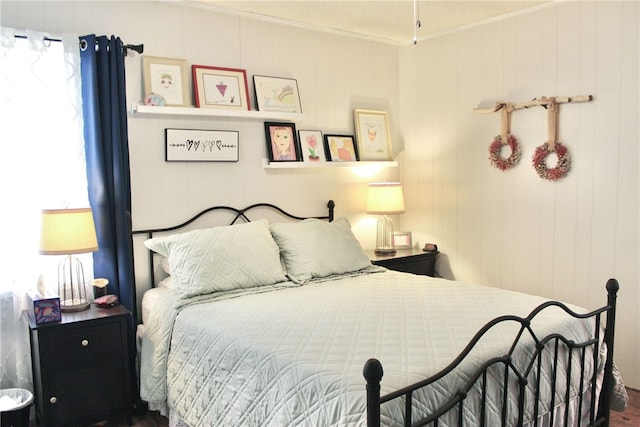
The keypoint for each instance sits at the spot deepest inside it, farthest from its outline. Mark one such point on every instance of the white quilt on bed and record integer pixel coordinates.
(294, 356)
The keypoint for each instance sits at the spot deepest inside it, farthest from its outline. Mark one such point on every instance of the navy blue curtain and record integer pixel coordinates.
(107, 153)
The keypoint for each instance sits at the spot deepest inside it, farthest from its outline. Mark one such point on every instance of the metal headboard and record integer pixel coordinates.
(239, 214)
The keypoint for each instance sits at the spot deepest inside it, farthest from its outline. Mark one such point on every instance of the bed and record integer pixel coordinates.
(269, 323)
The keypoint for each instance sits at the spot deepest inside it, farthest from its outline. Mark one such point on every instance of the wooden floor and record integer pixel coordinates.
(630, 417)
(151, 419)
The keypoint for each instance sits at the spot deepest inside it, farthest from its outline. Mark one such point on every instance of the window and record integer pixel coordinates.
(42, 162)
(42, 165)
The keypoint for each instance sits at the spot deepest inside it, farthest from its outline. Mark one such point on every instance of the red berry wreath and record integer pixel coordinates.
(561, 168)
(495, 150)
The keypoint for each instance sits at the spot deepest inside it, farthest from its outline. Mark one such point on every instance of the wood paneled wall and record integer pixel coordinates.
(512, 229)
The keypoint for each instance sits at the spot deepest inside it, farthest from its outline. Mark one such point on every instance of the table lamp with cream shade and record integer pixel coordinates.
(385, 198)
(68, 232)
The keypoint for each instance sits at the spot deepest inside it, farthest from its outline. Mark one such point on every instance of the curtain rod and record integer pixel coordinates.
(135, 47)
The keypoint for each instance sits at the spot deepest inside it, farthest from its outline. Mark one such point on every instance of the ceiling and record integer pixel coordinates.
(390, 21)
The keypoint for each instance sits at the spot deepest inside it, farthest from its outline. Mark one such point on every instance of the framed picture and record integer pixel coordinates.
(340, 148)
(372, 134)
(197, 145)
(277, 94)
(402, 240)
(312, 146)
(282, 142)
(167, 78)
(218, 87)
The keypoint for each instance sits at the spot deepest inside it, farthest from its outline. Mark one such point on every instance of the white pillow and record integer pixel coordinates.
(167, 282)
(166, 267)
(221, 259)
(314, 248)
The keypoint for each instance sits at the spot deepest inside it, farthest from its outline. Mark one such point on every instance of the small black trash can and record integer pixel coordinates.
(15, 405)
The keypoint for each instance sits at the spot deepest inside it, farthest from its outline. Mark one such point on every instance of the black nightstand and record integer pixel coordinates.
(81, 367)
(414, 261)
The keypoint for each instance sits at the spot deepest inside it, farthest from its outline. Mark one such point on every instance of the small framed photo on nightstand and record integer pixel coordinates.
(402, 240)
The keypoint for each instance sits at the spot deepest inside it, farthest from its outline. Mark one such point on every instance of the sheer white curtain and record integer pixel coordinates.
(42, 165)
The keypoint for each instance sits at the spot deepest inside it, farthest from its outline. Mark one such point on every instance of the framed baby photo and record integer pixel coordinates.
(282, 142)
(402, 240)
(218, 87)
(372, 134)
(340, 148)
(166, 77)
(312, 146)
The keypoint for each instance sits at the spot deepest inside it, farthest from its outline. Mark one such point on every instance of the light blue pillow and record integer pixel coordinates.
(314, 248)
(221, 259)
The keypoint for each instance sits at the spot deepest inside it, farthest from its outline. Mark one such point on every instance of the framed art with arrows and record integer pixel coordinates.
(198, 145)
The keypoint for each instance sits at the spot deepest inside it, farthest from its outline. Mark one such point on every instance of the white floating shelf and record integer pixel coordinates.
(155, 111)
(308, 165)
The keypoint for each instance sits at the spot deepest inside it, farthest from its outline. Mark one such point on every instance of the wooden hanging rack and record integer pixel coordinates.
(535, 102)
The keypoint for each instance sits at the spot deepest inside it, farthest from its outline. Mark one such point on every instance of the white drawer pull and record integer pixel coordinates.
(53, 400)
(85, 343)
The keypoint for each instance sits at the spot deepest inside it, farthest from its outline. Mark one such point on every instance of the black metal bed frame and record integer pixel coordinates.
(239, 214)
(373, 371)
(557, 344)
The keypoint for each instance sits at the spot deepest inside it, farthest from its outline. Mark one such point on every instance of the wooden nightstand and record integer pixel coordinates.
(81, 367)
(414, 261)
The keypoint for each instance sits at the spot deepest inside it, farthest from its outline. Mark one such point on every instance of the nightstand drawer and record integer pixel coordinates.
(414, 261)
(423, 267)
(83, 342)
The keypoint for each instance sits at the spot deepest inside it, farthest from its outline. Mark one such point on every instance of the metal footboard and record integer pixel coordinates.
(519, 384)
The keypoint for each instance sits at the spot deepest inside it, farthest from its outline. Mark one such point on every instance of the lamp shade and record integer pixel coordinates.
(67, 231)
(385, 198)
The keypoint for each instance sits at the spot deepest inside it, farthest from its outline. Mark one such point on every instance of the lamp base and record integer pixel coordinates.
(385, 251)
(71, 286)
(384, 242)
(72, 308)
